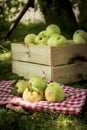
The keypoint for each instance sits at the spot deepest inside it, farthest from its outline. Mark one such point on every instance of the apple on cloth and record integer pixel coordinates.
(73, 103)
(19, 87)
(54, 92)
(35, 90)
(32, 94)
(38, 90)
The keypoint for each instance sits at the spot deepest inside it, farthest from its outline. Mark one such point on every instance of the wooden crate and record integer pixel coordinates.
(53, 63)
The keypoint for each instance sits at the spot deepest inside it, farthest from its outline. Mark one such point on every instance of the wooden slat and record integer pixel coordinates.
(70, 73)
(62, 54)
(29, 69)
(46, 55)
(62, 74)
(32, 53)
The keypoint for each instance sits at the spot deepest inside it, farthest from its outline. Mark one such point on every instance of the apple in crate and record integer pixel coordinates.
(70, 41)
(30, 39)
(51, 29)
(41, 38)
(56, 40)
(80, 36)
(54, 92)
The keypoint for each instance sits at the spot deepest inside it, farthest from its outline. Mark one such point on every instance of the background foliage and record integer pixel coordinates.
(9, 9)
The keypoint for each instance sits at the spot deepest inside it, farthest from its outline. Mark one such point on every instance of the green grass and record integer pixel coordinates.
(35, 120)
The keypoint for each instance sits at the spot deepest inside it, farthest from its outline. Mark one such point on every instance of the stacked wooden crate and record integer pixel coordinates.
(64, 63)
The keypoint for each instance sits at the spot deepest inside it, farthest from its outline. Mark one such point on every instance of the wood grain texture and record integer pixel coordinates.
(63, 74)
(46, 55)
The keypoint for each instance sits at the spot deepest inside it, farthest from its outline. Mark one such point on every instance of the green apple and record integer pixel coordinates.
(41, 38)
(19, 87)
(80, 33)
(30, 39)
(56, 40)
(43, 33)
(78, 39)
(51, 29)
(38, 82)
(70, 41)
(32, 95)
(54, 92)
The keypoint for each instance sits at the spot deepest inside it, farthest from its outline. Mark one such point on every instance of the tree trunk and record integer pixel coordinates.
(59, 12)
(83, 14)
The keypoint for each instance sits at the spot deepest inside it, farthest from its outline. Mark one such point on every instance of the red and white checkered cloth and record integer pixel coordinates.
(73, 104)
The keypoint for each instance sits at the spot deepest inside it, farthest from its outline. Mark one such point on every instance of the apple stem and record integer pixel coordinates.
(30, 87)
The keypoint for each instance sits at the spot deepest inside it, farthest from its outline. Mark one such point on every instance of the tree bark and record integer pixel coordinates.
(83, 14)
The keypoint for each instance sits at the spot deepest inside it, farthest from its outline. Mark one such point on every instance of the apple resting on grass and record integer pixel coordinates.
(56, 40)
(80, 36)
(54, 92)
(32, 95)
(30, 39)
(41, 38)
(51, 29)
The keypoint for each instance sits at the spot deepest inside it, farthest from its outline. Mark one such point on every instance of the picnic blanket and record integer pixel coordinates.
(73, 104)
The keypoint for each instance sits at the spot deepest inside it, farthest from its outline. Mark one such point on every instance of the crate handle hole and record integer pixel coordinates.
(77, 59)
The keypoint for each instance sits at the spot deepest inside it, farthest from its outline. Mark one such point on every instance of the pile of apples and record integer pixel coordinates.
(37, 89)
(52, 36)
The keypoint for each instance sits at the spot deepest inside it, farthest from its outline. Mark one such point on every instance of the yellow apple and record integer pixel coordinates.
(32, 95)
(54, 92)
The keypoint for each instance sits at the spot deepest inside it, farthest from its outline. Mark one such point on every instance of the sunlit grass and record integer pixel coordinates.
(5, 56)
